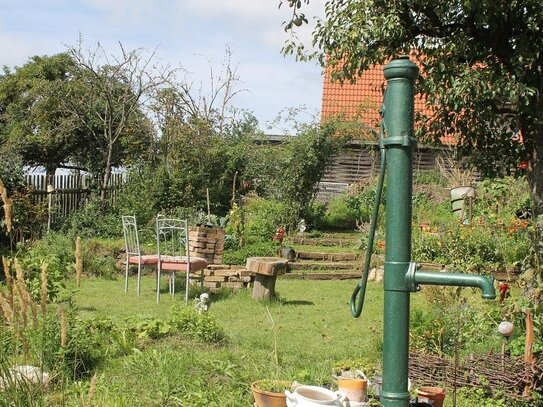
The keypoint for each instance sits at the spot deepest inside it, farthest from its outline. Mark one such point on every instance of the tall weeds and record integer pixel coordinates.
(7, 206)
(78, 262)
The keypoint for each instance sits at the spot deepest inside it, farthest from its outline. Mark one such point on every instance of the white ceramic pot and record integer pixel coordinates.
(314, 396)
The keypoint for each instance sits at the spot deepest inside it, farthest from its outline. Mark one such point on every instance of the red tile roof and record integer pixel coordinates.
(361, 100)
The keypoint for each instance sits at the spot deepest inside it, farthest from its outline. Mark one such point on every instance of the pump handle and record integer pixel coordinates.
(359, 293)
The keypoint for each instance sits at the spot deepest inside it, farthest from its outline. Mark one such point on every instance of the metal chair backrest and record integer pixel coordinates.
(172, 237)
(131, 238)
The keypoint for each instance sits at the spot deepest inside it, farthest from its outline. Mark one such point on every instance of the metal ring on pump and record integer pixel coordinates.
(359, 293)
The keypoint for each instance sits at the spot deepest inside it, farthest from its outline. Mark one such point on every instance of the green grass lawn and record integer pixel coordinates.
(298, 337)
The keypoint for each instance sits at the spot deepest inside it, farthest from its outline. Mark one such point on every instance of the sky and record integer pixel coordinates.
(192, 34)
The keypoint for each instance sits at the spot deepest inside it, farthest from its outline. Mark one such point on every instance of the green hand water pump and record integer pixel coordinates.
(402, 276)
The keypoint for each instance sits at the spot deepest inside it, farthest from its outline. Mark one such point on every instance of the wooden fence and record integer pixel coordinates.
(359, 161)
(71, 191)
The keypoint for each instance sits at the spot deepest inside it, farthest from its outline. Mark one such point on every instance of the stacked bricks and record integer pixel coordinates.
(207, 242)
(218, 276)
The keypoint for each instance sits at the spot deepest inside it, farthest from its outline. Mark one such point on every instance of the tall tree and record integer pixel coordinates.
(32, 121)
(108, 101)
(482, 68)
(202, 137)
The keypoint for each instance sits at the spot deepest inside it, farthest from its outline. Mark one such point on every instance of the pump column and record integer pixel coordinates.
(399, 142)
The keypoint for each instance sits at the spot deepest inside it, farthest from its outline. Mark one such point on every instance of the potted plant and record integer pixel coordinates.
(351, 378)
(434, 395)
(270, 393)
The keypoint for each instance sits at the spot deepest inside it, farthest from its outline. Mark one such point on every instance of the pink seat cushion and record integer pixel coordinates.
(147, 259)
(179, 263)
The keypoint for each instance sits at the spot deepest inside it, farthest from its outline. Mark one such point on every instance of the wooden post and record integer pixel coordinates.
(266, 270)
(528, 347)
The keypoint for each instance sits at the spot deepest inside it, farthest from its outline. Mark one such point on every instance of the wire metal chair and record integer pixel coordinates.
(133, 250)
(172, 237)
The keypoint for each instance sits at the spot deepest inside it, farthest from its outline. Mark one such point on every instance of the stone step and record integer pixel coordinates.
(320, 276)
(376, 274)
(323, 265)
(325, 241)
(334, 257)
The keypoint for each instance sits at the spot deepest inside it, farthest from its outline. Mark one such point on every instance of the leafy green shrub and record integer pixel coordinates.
(87, 344)
(429, 177)
(340, 214)
(499, 198)
(152, 328)
(262, 218)
(56, 251)
(290, 173)
(99, 257)
(94, 220)
(29, 216)
(315, 216)
(238, 256)
(188, 321)
(138, 196)
(360, 197)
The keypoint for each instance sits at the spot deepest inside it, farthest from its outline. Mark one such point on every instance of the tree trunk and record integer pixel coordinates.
(107, 174)
(536, 174)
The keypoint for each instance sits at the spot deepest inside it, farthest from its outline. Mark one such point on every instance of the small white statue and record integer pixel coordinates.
(201, 304)
(301, 227)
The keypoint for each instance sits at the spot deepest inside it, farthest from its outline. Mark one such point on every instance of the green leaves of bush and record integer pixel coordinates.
(189, 322)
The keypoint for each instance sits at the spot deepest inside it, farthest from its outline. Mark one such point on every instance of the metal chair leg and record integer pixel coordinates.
(126, 275)
(139, 278)
(187, 280)
(158, 285)
(171, 283)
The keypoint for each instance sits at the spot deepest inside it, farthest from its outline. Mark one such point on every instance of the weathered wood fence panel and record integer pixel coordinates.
(71, 191)
(360, 161)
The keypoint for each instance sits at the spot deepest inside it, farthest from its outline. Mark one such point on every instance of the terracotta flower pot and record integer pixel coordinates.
(433, 394)
(264, 398)
(354, 388)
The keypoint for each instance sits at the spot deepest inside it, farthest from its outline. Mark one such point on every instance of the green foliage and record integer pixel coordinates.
(365, 365)
(100, 256)
(262, 217)
(197, 157)
(479, 397)
(457, 44)
(532, 265)
(56, 251)
(141, 194)
(94, 220)
(290, 173)
(428, 178)
(315, 216)
(152, 328)
(239, 255)
(452, 326)
(494, 238)
(189, 322)
(88, 343)
(340, 213)
(28, 216)
(34, 122)
(360, 197)
(499, 198)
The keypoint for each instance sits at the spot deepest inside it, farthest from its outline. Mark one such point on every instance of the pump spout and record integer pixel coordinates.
(457, 279)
